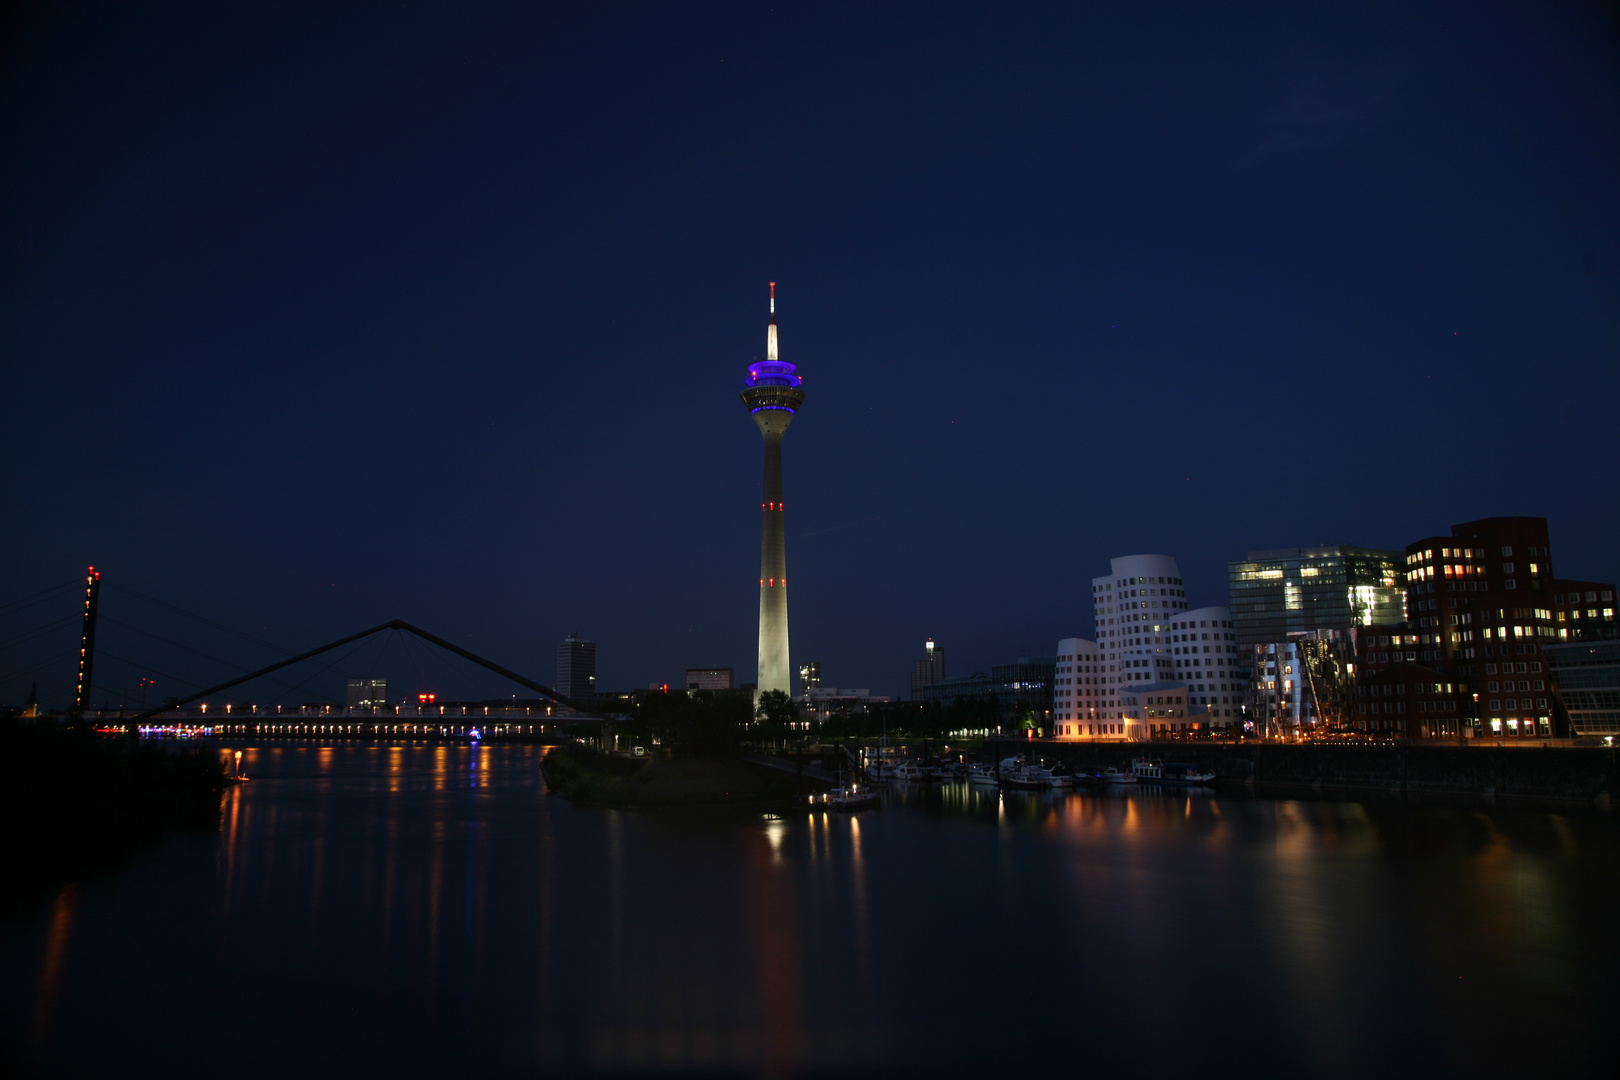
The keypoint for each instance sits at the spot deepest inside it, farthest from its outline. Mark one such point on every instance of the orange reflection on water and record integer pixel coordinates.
(772, 906)
(50, 971)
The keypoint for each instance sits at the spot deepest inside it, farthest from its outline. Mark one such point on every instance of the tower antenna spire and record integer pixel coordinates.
(770, 332)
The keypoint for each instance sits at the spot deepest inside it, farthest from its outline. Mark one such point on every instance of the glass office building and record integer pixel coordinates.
(1300, 590)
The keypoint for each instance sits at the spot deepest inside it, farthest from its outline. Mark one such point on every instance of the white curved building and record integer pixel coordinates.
(1204, 651)
(1147, 636)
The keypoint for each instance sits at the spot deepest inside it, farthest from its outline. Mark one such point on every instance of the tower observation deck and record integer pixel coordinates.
(773, 397)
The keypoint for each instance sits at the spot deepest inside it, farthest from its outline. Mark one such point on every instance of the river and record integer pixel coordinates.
(424, 910)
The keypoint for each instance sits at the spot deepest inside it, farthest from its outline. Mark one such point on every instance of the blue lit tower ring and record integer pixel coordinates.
(773, 397)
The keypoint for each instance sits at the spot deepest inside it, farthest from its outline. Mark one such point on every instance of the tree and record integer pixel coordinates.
(776, 710)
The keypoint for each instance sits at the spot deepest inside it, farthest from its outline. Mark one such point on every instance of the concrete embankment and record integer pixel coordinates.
(1586, 775)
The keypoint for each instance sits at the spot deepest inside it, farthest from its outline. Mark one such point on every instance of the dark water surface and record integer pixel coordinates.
(398, 910)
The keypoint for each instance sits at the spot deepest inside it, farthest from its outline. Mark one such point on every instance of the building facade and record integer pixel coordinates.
(710, 678)
(576, 670)
(1302, 590)
(367, 693)
(1079, 694)
(1207, 657)
(1014, 690)
(822, 702)
(1583, 609)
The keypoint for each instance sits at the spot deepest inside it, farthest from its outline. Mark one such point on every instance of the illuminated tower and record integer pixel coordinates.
(87, 641)
(773, 396)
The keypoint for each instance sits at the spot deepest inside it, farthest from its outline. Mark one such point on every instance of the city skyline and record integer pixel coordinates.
(460, 370)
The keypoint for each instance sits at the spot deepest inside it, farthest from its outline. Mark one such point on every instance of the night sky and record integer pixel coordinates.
(319, 315)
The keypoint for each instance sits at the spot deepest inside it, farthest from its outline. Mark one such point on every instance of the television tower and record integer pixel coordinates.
(773, 397)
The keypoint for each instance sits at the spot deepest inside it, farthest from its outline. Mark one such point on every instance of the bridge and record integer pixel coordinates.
(194, 713)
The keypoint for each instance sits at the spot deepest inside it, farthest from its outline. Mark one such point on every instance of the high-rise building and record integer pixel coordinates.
(929, 670)
(576, 670)
(710, 678)
(773, 397)
(1300, 590)
(810, 676)
(367, 693)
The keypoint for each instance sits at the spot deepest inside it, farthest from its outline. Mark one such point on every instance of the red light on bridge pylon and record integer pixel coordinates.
(426, 699)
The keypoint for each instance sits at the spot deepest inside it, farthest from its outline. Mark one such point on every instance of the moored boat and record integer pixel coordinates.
(1182, 773)
(982, 774)
(853, 797)
(1112, 775)
(1029, 778)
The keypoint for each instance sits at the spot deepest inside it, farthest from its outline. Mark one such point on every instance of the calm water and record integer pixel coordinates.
(430, 910)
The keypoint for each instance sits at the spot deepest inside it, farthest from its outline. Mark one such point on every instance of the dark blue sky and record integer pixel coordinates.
(319, 315)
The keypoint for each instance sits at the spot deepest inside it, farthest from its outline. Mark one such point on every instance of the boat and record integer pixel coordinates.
(1029, 778)
(1060, 778)
(1182, 773)
(982, 774)
(1149, 771)
(853, 797)
(944, 770)
(1112, 775)
(908, 770)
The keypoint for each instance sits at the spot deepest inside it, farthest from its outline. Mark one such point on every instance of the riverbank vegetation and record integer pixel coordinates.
(69, 795)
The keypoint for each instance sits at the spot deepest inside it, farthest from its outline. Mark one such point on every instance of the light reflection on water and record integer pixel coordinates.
(422, 909)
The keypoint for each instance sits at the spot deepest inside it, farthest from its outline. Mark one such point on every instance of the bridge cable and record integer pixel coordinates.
(200, 618)
(144, 667)
(261, 672)
(319, 672)
(37, 598)
(30, 635)
(60, 658)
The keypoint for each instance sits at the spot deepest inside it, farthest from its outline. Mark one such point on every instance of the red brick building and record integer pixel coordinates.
(1481, 603)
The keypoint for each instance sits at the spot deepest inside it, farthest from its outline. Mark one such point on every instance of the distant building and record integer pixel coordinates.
(1301, 590)
(576, 670)
(1012, 688)
(367, 693)
(710, 678)
(927, 671)
(821, 702)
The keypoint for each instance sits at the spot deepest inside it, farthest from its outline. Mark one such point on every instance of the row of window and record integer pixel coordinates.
(1513, 703)
(1591, 596)
(1125, 583)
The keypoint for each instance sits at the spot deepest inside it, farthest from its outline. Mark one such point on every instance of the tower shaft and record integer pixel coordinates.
(774, 672)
